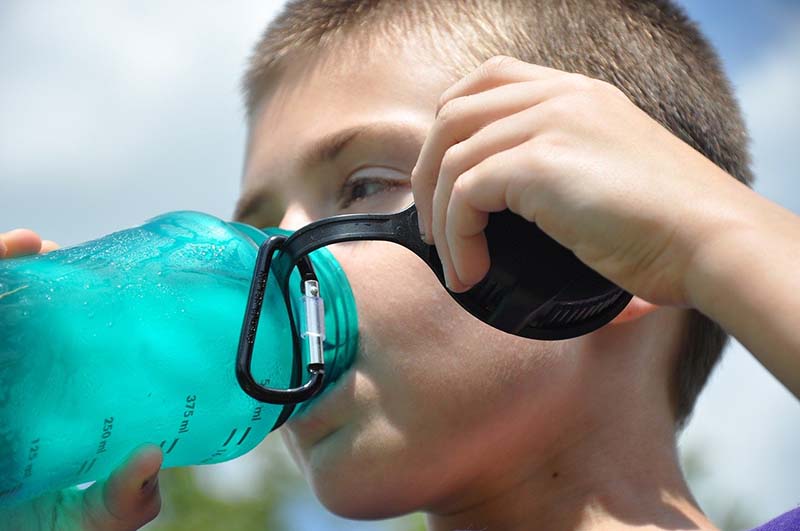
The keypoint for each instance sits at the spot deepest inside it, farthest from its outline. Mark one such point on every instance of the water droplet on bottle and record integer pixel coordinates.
(110, 324)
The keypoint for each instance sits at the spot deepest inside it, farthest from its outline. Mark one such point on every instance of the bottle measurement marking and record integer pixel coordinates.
(108, 425)
(171, 446)
(83, 466)
(102, 445)
(241, 440)
(188, 413)
(222, 450)
(33, 453)
(189, 408)
(243, 436)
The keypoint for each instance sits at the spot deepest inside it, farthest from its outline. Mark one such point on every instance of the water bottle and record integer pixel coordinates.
(133, 338)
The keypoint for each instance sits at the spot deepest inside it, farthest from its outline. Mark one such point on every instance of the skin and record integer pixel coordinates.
(605, 180)
(442, 413)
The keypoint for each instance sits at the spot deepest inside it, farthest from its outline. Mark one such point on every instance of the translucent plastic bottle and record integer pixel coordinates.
(132, 338)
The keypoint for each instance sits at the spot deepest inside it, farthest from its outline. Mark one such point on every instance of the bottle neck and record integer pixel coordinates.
(341, 321)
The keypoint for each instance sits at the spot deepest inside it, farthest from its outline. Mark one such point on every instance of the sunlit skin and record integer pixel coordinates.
(440, 412)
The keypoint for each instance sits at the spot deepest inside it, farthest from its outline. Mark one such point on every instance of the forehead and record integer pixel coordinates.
(318, 97)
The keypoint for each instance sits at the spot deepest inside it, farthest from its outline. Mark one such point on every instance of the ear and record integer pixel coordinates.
(636, 309)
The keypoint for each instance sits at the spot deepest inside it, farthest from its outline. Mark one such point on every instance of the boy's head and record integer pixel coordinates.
(340, 95)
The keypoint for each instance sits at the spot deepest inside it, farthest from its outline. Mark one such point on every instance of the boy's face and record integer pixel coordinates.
(436, 400)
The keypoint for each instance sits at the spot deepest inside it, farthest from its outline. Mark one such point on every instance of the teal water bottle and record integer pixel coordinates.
(133, 337)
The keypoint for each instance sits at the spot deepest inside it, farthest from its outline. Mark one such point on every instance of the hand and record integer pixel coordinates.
(21, 242)
(127, 500)
(577, 157)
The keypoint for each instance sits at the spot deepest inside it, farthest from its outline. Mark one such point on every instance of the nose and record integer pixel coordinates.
(294, 217)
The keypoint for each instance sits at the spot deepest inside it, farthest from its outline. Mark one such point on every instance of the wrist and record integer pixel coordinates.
(734, 248)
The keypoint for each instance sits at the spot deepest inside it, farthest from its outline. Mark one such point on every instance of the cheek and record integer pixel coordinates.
(405, 315)
(422, 349)
(439, 391)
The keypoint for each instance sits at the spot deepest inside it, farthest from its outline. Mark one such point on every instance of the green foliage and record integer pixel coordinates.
(191, 505)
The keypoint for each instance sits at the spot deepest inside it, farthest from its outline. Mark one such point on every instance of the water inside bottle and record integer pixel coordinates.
(125, 340)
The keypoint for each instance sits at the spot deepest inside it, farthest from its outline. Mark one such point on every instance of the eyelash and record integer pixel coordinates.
(347, 197)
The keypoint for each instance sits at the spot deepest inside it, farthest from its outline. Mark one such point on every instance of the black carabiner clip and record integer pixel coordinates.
(247, 338)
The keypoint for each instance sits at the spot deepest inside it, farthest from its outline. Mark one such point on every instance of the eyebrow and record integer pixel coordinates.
(326, 149)
(251, 203)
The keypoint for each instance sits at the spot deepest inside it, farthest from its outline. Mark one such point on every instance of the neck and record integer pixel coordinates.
(618, 476)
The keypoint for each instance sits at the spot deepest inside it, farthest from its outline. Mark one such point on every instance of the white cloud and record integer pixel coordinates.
(96, 81)
(769, 97)
(114, 112)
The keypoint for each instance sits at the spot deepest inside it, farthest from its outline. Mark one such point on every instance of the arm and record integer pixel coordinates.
(605, 180)
(127, 500)
(748, 280)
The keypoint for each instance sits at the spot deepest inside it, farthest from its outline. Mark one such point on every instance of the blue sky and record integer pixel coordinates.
(116, 112)
(742, 29)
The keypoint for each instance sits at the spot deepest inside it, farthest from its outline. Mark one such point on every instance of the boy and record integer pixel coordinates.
(353, 104)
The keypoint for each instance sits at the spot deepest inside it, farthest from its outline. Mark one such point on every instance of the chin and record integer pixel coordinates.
(354, 480)
(358, 500)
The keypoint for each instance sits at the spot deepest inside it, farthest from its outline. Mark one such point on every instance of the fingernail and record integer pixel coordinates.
(446, 276)
(149, 484)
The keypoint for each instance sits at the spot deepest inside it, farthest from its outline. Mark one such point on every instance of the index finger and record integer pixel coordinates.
(499, 70)
(493, 73)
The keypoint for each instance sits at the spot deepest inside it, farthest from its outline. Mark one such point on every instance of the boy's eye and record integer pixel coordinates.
(379, 185)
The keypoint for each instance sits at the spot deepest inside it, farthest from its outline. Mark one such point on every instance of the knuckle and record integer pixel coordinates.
(613, 91)
(464, 185)
(416, 180)
(497, 64)
(451, 161)
(443, 99)
(545, 147)
(542, 155)
(449, 112)
(461, 197)
(582, 83)
(559, 108)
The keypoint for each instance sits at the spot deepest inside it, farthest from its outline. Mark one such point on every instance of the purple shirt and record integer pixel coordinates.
(787, 522)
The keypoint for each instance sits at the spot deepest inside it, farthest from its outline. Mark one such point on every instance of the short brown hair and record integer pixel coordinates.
(647, 48)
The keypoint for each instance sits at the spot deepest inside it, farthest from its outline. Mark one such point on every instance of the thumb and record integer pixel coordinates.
(129, 498)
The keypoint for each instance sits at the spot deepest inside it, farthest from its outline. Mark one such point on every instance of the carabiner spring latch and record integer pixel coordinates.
(315, 330)
(313, 323)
